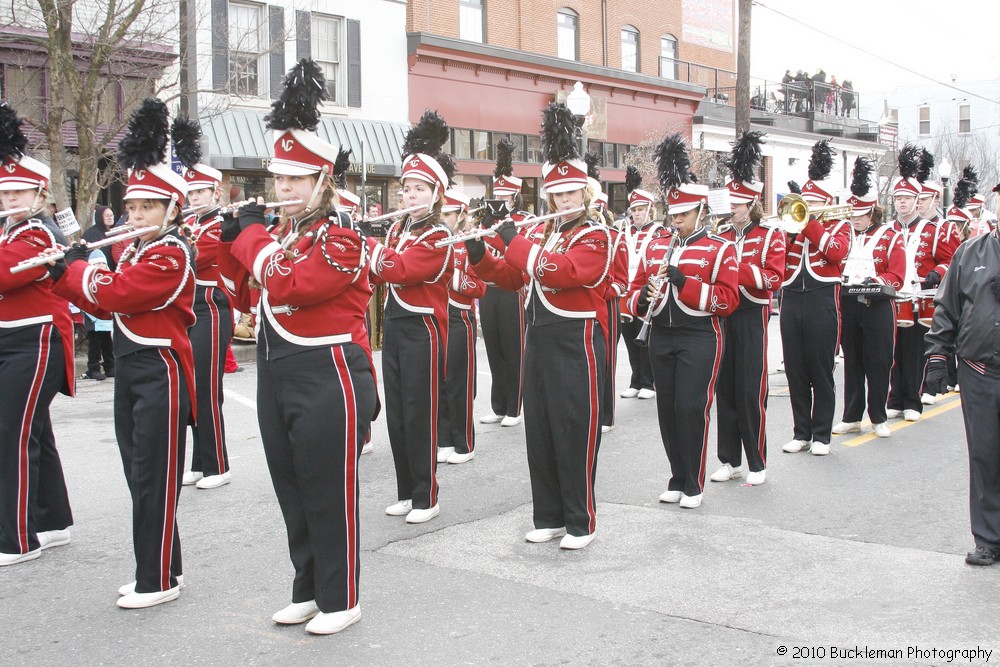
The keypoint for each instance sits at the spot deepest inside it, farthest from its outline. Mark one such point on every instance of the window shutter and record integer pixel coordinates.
(353, 63)
(276, 28)
(303, 47)
(220, 44)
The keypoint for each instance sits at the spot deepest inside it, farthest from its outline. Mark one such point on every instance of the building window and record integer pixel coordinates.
(567, 34)
(609, 159)
(668, 57)
(482, 149)
(327, 43)
(534, 149)
(246, 45)
(462, 144)
(964, 118)
(630, 49)
(925, 120)
(472, 24)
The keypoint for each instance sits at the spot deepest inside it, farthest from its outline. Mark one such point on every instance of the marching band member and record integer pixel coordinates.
(640, 230)
(929, 248)
(810, 313)
(741, 391)
(868, 334)
(316, 392)
(929, 199)
(151, 296)
(501, 311)
(416, 321)
(565, 263)
(36, 359)
(213, 327)
(700, 282)
(457, 429)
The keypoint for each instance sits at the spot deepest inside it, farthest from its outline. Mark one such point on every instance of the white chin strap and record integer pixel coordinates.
(319, 184)
(170, 210)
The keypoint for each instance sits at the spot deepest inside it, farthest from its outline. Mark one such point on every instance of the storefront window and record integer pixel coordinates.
(462, 144)
(534, 149)
(482, 149)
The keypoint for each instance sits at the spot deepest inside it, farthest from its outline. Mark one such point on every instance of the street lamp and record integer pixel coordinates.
(944, 169)
(578, 102)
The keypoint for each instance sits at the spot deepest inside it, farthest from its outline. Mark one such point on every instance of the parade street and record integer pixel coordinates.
(833, 559)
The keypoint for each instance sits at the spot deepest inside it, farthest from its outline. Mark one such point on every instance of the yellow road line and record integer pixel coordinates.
(938, 409)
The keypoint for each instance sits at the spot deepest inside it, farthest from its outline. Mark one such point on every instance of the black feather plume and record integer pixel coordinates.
(996, 188)
(963, 192)
(969, 174)
(298, 106)
(427, 136)
(341, 165)
(447, 163)
(909, 161)
(794, 188)
(148, 133)
(926, 164)
(821, 161)
(558, 134)
(12, 139)
(673, 165)
(861, 185)
(505, 159)
(746, 156)
(593, 161)
(633, 178)
(186, 135)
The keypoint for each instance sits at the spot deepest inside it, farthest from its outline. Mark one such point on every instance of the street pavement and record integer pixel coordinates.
(862, 548)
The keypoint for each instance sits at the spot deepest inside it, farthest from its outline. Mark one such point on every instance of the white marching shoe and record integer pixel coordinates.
(423, 516)
(191, 478)
(756, 478)
(491, 419)
(571, 542)
(928, 399)
(332, 623)
(130, 588)
(893, 414)
(402, 508)
(882, 430)
(539, 535)
(135, 600)
(911, 415)
(846, 427)
(14, 559)
(671, 497)
(607, 429)
(368, 448)
(794, 446)
(213, 481)
(444, 453)
(295, 613)
(631, 392)
(820, 449)
(511, 421)
(726, 473)
(53, 538)
(456, 458)
(691, 502)
(646, 394)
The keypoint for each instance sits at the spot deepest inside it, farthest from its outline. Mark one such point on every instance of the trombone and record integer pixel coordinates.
(794, 213)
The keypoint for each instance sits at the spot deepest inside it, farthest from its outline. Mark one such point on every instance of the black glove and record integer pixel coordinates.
(488, 219)
(252, 214)
(931, 280)
(996, 287)
(57, 270)
(643, 301)
(935, 376)
(230, 227)
(507, 232)
(76, 253)
(676, 277)
(477, 250)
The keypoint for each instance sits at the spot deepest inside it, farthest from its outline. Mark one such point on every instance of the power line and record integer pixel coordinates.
(874, 55)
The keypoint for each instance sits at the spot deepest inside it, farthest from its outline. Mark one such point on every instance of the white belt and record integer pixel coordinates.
(206, 283)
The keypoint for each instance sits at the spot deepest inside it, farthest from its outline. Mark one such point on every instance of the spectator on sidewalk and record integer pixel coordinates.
(99, 348)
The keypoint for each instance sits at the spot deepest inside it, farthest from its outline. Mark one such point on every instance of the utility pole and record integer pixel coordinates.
(743, 69)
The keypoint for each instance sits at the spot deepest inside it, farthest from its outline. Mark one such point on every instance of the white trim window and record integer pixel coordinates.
(247, 73)
(964, 118)
(924, 120)
(630, 48)
(472, 21)
(327, 37)
(567, 34)
(668, 57)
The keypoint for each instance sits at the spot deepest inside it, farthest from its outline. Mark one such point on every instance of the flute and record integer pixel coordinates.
(271, 204)
(405, 211)
(4, 214)
(47, 257)
(489, 231)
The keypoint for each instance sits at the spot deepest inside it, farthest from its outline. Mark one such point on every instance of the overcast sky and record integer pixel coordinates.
(947, 39)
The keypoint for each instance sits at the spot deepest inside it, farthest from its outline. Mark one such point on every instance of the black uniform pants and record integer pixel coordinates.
(100, 348)
(741, 391)
(810, 329)
(907, 376)
(501, 314)
(314, 409)
(413, 365)
(210, 336)
(608, 405)
(685, 367)
(868, 337)
(33, 495)
(456, 426)
(981, 410)
(638, 356)
(152, 408)
(564, 366)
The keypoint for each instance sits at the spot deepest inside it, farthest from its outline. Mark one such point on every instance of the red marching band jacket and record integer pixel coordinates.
(566, 276)
(617, 282)
(206, 234)
(465, 286)
(826, 249)
(712, 287)
(314, 293)
(932, 244)
(150, 295)
(887, 251)
(761, 256)
(27, 298)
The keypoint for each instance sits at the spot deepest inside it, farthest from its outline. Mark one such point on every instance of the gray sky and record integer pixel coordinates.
(941, 39)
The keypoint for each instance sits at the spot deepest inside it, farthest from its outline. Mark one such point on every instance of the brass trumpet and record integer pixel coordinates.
(794, 212)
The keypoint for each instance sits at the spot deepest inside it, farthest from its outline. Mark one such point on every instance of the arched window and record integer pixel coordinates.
(668, 57)
(630, 48)
(568, 34)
